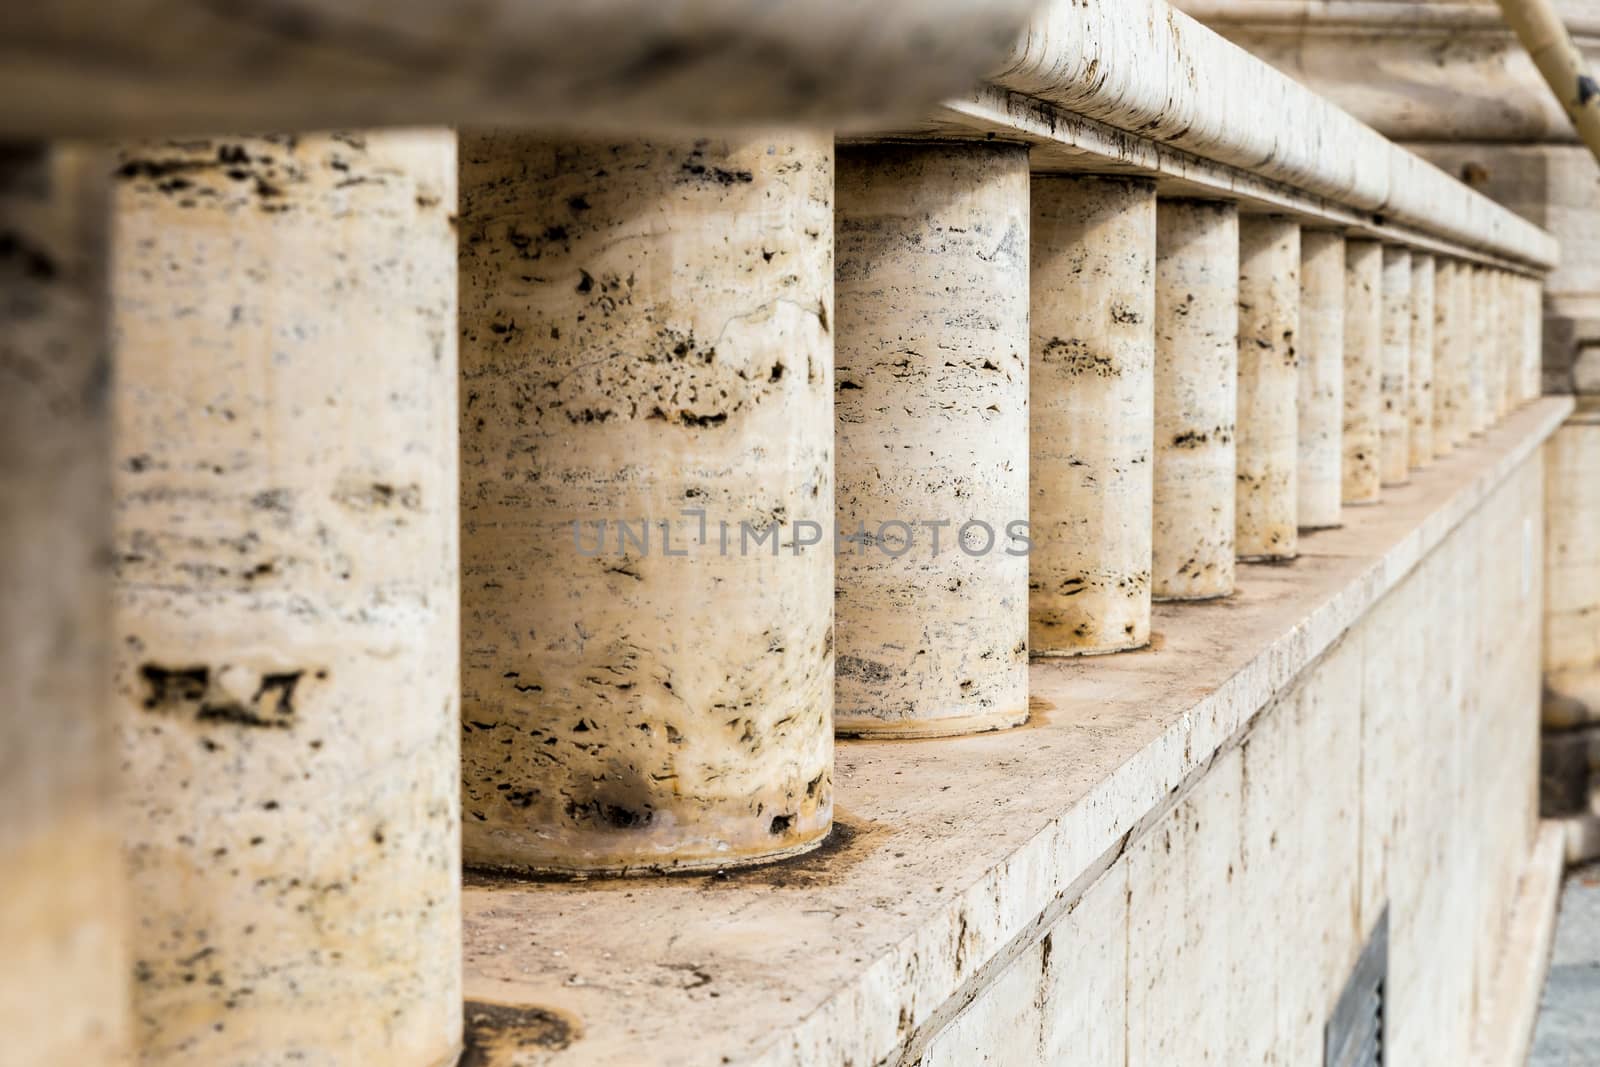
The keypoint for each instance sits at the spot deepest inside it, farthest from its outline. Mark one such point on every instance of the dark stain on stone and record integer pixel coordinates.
(494, 1032)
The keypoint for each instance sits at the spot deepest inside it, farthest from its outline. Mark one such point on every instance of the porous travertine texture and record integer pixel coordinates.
(1446, 357)
(1460, 356)
(1572, 578)
(646, 330)
(1511, 332)
(63, 992)
(1480, 301)
(1532, 338)
(1141, 67)
(1320, 383)
(1269, 384)
(620, 65)
(286, 596)
(931, 402)
(1093, 247)
(1507, 330)
(1419, 386)
(1363, 355)
(1394, 424)
(1196, 386)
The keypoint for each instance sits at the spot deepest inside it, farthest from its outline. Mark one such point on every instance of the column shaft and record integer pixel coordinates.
(1446, 353)
(1532, 338)
(1463, 358)
(1268, 399)
(1420, 382)
(1508, 339)
(1363, 357)
(1320, 385)
(63, 991)
(931, 399)
(1479, 403)
(1394, 462)
(286, 612)
(1196, 382)
(1091, 397)
(647, 462)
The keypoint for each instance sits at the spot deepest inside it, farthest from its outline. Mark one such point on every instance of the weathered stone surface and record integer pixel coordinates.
(1196, 388)
(1269, 386)
(1572, 581)
(1480, 402)
(1419, 386)
(1091, 391)
(1320, 355)
(867, 951)
(286, 596)
(1363, 358)
(1394, 423)
(63, 996)
(931, 401)
(1141, 67)
(646, 331)
(617, 65)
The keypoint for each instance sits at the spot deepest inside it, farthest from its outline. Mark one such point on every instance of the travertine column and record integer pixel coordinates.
(1320, 405)
(1363, 356)
(931, 399)
(1269, 327)
(1463, 357)
(1091, 396)
(1479, 299)
(1507, 340)
(1572, 568)
(1532, 338)
(1446, 356)
(286, 613)
(1419, 386)
(1394, 449)
(646, 330)
(1196, 383)
(64, 986)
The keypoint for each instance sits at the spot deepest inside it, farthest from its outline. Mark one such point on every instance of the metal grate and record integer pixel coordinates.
(1354, 1034)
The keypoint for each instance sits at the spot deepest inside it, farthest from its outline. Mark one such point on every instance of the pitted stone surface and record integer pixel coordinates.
(1480, 364)
(63, 996)
(1320, 381)
(1091, 395)
(1363, 358)
(1394, 423)
(1446, 356)
(646, 331)
(1459, 358)
(286, 596)
(1572, 580)
(1269, 386)
(931, 403)
(1419, 385)
(1196, 389)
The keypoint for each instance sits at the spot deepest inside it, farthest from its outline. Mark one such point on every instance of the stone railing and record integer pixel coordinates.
(547, 504)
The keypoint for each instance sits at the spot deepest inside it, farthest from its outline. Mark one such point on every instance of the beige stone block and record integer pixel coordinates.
(1269, 384)
(63, 994)
(1197, 327)
(1363, 360)
(1481, 363)
(931, 402)
(1394, 424)
(287, 597)
(1320, 407)
(1419, 386)
(1572, 552)
(1091, 393)
(646, 340)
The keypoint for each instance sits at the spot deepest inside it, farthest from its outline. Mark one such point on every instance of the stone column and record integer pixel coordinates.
(1419, 388)
(1269, 327)
(286, 615)
(1507, 334)
(1196, 382)
(1091, 391)
(1463, 356)
(647, 484)
(1320, 408)
(1446, 356)
(931, 403)
(63, 991)
(1394, 449)
(1572, 571)
(1363, 356)
(1479, 405)
(1532, 338)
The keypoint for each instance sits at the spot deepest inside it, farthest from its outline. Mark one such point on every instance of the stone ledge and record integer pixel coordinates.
(952, 854)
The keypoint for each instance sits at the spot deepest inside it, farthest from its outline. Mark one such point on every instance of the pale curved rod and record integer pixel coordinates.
(1538, 26)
